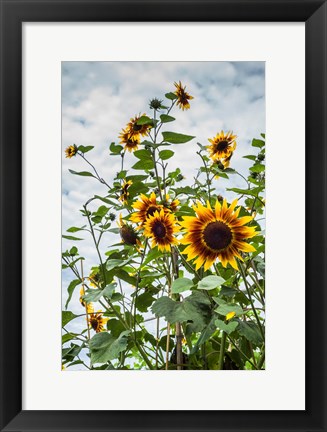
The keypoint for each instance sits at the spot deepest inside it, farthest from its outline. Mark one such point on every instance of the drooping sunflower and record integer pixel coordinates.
(136, 129)
(172, 206)
(81, 294)
(145, 207)
(129, 141)
(96, 320)
(216, 233)
(222, 147)
(182, 96)
(160, 228)
(71, 151)
(124, 191)
(95, 278)
(127, 233)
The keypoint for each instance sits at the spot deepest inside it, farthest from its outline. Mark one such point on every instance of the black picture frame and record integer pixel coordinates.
(16, 12)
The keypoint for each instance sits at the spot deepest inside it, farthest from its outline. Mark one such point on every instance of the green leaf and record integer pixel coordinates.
(143, 154)
(227, 328)
(137, 188)
(205, 334)
(144, 120)
(166, 118)
(166, 154)
(73, 251)
(85, 149)
(258, 168)
(252, 192)
(143, 165)
(144, 301)
(70, 289)
(67, 316)
(258, 143)
(104, 347)
(109, 290)
(225, 308)
(171, 96)
(195, 308)
(74, 229)
(113, 263)
(93, 295)
(102, 211)
(82, 173)
(71, 237)
(180, 285)
(250, 331)
(122, 274)
(176, 138)
(68, 336)
(251, 157)
(227, 291)
(210, 282)
(163, 343)
(116, 149)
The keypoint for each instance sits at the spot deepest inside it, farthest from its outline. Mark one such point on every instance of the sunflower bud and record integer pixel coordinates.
(261, 157)
(155, 104)
(112, 216)
(128, 235)
(220, 165)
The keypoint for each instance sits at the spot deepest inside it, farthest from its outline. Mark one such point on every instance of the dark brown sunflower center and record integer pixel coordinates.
(151, 210)
(128, 235)
(137, 127)
(222, 145)
(217, 235)
(159, 230)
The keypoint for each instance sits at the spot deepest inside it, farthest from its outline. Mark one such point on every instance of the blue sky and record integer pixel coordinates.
(99, 98)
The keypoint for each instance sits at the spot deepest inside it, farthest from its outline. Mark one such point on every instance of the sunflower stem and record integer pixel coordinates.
(222, 351)
(262, 359)
(179, 335)
(207, 173)
(250, 298)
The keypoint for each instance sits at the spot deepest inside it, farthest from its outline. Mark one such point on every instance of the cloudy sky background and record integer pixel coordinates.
(99, 98)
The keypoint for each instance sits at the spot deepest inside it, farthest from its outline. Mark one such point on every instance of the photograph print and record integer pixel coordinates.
(163, 216)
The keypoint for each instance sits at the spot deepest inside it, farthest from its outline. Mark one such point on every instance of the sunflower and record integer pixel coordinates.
(222, 147)
(145, 207)
(94, 278)
(96, 320)
(135, 129)
(182, 96)
(124, 191)
(130, 141)
(127, 233)
(161, 227)
(216, 233)
(71, 151)
(81, 294)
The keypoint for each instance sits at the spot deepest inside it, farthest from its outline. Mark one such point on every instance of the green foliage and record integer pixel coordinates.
(82, 173)
(176, 138)
(67, 316)
(210, 282)
(180, 285)
(105, 347)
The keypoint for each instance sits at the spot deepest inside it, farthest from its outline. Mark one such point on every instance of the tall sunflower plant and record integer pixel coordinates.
(181, 285)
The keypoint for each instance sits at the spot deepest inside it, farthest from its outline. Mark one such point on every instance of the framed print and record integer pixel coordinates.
(143, 286)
